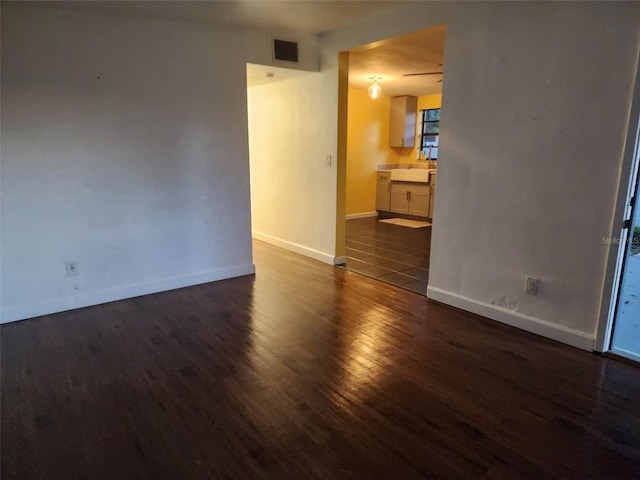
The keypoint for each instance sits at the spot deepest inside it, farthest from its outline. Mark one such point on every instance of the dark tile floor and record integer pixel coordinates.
(390, 253)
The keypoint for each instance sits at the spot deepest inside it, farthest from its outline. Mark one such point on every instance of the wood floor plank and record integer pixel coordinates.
(306, 371)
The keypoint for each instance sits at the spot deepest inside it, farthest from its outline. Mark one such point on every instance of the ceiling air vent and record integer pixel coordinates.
(287, 51)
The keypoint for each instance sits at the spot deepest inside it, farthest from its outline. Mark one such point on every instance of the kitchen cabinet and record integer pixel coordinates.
(399, 202)
(409, 198)
(419, 201)
(432, 193)
(383, 191)
(402, 124)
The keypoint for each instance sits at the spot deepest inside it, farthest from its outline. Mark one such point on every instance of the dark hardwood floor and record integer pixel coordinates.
(306, 371)
(389, 253)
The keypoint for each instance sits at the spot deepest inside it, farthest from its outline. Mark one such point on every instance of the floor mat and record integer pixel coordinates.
(403, 222)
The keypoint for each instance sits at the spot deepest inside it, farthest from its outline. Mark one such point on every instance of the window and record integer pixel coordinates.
(429, 134)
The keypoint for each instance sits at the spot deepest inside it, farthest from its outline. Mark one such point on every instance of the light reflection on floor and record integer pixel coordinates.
(366, 359)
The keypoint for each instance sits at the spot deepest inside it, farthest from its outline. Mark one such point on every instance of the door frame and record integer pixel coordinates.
(617, 251)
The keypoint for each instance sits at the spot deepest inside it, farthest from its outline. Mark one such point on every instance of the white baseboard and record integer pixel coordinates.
(531, 324)
(296, 247)
(361, 215)
(112, 294)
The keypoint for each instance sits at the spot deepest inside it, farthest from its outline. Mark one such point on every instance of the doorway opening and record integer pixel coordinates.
(624, 339)
(283, 139)
(392, 156)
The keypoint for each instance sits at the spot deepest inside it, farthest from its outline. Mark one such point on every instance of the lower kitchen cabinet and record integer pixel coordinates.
(409, 198)
(383, 191)
(432, 195)
(419, 201)
(399, 202)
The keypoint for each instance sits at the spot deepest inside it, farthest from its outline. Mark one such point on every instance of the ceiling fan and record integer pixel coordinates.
(423, 73)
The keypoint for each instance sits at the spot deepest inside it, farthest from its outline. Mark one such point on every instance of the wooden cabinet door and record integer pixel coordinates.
(396, 122)
(402, 122)
(432, 195)
(383, 196)
(419, 201)
(399, 202)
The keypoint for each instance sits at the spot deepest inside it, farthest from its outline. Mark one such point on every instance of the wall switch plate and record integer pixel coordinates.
(531, 286)
(72, 268)
(329, 160)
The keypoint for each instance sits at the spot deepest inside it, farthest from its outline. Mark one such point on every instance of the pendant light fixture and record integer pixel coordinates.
(375, 90)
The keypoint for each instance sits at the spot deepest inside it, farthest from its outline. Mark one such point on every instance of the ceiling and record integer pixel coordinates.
(416, 52)
(306, 16)
(421, 51)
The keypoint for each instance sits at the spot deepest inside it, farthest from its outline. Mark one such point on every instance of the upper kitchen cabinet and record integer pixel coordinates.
(402, 126)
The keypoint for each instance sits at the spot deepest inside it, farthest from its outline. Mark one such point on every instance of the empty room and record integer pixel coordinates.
(178, 182)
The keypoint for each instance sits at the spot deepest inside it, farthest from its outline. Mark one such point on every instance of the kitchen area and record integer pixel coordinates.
(406, 191)
(392, 157)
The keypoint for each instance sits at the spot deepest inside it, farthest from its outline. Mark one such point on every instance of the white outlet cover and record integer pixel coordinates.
(531, 286)
(72, 268)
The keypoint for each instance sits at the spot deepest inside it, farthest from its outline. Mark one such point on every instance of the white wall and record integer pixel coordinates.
(292, 185)
(534, 116)
(124, 147)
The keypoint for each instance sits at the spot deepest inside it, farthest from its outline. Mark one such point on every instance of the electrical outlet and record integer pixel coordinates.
(531, 286)
(329, 160)
(72, 268)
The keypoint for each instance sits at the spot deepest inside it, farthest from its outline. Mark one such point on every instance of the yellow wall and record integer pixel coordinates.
(368, 146)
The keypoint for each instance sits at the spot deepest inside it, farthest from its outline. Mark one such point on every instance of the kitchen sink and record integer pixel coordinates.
(411, 175)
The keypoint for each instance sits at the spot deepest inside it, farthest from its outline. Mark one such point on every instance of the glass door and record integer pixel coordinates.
(626, 327)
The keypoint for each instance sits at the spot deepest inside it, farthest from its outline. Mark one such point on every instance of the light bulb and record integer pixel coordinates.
(374, 89)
